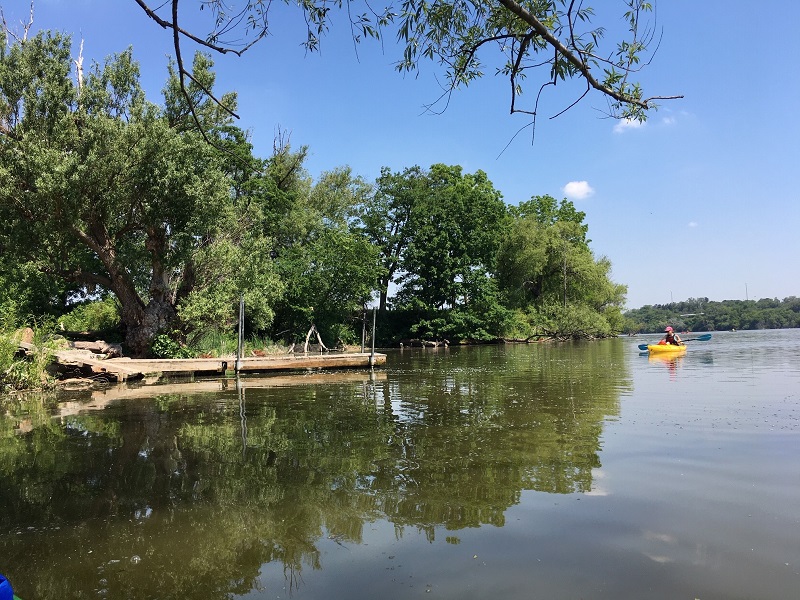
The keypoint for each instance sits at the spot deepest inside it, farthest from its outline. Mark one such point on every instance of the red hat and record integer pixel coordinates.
(668, 328)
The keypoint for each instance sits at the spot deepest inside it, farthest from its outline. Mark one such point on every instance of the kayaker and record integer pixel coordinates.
(671, 337)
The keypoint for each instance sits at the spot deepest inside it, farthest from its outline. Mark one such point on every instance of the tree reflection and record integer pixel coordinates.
(174, 486)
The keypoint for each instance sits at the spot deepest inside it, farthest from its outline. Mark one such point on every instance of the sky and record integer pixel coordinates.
(703, 200)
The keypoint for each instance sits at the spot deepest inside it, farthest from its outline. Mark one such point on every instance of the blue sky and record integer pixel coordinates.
(702, 200)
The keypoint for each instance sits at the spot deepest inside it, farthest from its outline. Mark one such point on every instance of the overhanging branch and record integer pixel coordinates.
(575, 60)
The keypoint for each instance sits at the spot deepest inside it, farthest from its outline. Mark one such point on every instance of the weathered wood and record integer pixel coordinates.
(99, 347)
(311, 361)
(123, 369)
(86, 359)
(148, 366)
(319, 339)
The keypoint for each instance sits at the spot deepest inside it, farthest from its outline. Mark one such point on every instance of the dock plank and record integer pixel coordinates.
(126, 368)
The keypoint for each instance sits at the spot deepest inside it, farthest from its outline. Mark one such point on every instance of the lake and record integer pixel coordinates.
(576, 470)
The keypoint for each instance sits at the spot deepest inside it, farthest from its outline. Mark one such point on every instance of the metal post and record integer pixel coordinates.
(372, 355)
(240, 345)
(363, 329)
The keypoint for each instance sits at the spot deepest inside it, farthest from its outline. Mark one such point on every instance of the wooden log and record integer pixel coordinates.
(99, 347)
(86, 359)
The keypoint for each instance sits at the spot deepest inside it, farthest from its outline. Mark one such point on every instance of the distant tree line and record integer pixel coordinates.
(702, 314)
(156, 220)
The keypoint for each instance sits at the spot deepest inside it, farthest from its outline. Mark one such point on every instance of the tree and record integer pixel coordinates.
(700, 314)
(521, 260)
(386, 220)
(545, 266)
(556, 37)
(329, 267)
(329, 280)
(548, 211)
(535, 258)
(99, 189)
(456, 227)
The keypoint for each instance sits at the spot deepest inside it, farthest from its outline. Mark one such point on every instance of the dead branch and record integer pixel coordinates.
(25, 26)
(319, 340)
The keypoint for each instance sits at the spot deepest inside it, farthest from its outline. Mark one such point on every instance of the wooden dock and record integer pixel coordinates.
(124, 369)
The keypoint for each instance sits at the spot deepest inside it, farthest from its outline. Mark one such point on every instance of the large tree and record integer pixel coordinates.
(545, 267)
(386, 220)
(456, 227)
(533, 43)
(106, 191)
(329, 267)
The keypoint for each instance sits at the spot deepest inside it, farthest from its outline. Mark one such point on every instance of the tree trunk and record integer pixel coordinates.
(384, 283)
(142, 321)
(156, 317)
(382, 302)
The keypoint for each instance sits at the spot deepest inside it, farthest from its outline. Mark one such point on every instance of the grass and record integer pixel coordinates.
(214, 344)
(28, 370)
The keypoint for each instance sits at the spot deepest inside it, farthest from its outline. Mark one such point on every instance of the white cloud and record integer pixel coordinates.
(625, 124)
(578, 190)
(669, 120)
(692, 223)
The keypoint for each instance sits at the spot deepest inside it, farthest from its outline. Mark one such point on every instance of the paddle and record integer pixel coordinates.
(702, 338)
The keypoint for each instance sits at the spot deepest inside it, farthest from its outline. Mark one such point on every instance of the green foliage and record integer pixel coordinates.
(215, 342)
(169, 346)
(546, 269)
(329, 280)
(344, 334)
(28, 371)
(701, 314)
(328, 266)
(99, 315)
(115, 199)
(521, 261)
(26, 292)
(386, 219)
(104, 194)
(224, 271)
(454, 229)
(533, 45)
(547, 211)
(518, 326)
(8, 349)
(575, 321)
(456, 35)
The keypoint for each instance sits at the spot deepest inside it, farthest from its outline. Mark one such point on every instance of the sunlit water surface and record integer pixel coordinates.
(532, 471)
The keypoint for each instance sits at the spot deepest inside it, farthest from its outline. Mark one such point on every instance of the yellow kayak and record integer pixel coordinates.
(666, 349)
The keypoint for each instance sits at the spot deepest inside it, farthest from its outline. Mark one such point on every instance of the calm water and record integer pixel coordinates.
(544, 471)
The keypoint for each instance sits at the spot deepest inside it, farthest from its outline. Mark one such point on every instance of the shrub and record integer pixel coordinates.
(100, 315)
(166, 346)
(29, 371)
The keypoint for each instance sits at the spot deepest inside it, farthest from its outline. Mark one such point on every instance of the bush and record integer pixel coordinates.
(29, 371)
(576, 321)
(167, 346)
(100, 315)
(214, 342)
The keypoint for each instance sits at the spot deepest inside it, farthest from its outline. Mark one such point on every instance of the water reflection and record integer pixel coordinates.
(671, 363)
(179, 494)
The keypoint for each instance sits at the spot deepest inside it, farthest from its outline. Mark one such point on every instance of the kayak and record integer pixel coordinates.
(665, 349)
(6, 593)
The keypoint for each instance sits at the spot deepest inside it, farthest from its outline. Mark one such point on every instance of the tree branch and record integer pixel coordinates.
(574, 59)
